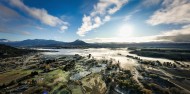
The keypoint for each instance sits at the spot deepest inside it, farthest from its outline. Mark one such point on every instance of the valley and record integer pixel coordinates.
(93, 71)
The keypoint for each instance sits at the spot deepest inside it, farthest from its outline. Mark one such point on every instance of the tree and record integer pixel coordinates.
(89, 56)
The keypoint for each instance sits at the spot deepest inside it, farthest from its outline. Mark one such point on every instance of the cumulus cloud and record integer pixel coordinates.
(39, 14)
(101, 14)
(173, 12)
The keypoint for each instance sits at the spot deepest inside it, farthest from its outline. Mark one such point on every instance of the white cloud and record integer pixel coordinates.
(40, 14)
(101, 14)
(86, 26)
(118, 3)
(63, 28)
(107, 18)
(173, 12)
(130, 15)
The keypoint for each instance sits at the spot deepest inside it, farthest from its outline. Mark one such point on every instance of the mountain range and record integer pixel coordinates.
(41, 43)
(81, 44)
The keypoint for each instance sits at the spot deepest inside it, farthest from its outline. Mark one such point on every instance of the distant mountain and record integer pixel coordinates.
(35, 42)
(42, 43)
(78, 42)
(75, 44)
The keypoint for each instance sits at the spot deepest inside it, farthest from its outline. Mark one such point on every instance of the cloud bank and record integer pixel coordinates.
(175, 12)
(101, 14)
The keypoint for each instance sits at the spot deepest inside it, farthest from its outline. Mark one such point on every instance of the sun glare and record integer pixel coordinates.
(126, 30)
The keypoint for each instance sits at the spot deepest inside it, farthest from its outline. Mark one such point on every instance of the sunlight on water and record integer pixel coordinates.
(118, 55)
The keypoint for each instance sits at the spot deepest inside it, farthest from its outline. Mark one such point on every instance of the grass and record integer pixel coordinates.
(54, 79)
(13, 75)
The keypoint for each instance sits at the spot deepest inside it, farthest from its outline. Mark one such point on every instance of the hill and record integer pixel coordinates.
(8, 51)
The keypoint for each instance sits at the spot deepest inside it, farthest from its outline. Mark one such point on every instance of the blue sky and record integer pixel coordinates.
(96, 20)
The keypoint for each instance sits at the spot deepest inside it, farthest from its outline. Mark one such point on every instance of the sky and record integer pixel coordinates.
(96, 20)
